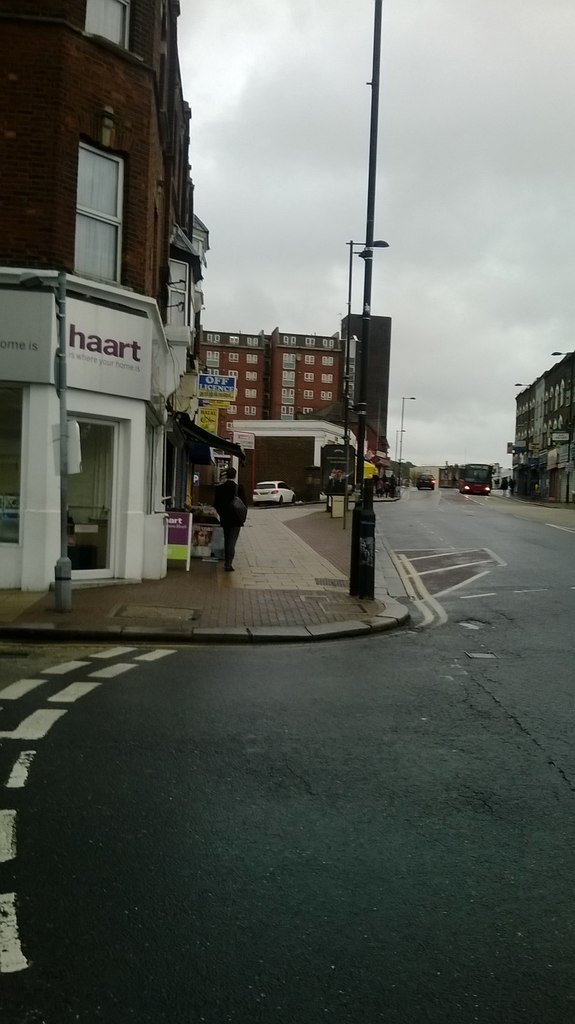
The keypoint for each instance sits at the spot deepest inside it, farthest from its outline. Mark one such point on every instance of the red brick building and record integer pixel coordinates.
(94, 192)
(280, 376)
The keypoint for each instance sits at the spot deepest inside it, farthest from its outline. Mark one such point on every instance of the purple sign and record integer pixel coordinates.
(178, 527)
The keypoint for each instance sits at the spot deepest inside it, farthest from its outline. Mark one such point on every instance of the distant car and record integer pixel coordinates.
(425, 482)
(273, 492)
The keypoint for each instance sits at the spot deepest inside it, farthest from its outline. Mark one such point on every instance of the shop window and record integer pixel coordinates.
(99, 214)
(10, 463)
(109, 18)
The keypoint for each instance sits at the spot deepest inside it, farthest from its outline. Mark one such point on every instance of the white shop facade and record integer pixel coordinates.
(120, 372)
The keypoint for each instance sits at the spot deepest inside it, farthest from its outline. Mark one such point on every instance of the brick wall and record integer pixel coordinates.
(54, 85)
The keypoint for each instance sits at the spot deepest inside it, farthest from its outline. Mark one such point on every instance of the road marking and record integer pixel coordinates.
(532, 590)
(114, 652)
(67, 666)
(154, 655)
(469, 597)
(111, 670)
(458, 565)
(19, 775)
(487, 655)
(7, 836)
(496, 558)
(464, 583)
(555, 527)
(428, 603)
(35, 726)
(73, 692)
(19, 688)
(11, 957)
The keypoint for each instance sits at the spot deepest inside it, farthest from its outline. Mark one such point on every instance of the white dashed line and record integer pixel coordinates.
(532, 590)
(19, 688)
(11, 957)
(73, 692)
(154, 655)
(468, 597)
(114, 652)
(7, 836)
(35, 726)
(66, 666)
(19, 775)
(111, 670)
(555, 527)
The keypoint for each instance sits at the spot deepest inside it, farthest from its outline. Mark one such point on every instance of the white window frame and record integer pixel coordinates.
(326, 396)
(307, 409)
(286, 413)
(249, 410)
(178, 294)
(310, 342)
(309, 359)
(251, 393)
(95, 25)
(287, 393)
(233, 339)
(114, 221)
(328, 342)
(327, 360)
(308, 394)
(212, 357)
(289, 361)
(252, 357)
(232, 409)
(234, 357)
(327, 378)
(309, 376)
(254, 342)
(233, 373)
(288, 339)
(251, 375)
(288, 376)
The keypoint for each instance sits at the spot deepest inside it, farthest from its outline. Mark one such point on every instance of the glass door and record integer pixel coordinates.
(90, 500)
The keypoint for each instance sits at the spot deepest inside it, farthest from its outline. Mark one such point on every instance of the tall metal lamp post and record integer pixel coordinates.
(377, 244)
(362, 564)
(570, 459)
(405, 398)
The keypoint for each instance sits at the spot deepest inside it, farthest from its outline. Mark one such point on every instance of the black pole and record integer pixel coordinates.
(346, 382)
(362, 574)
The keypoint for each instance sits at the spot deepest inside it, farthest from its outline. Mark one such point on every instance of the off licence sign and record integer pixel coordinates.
(212, 385)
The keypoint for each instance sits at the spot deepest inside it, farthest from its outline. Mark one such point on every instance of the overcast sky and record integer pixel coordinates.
(475, 190)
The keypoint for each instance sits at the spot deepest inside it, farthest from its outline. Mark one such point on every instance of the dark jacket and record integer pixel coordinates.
(224, 495)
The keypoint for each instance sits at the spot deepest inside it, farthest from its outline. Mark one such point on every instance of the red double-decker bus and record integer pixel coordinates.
(475, 478)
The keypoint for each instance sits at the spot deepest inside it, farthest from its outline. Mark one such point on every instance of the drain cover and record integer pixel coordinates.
(487, 655)
(152, 611)
(331, 583)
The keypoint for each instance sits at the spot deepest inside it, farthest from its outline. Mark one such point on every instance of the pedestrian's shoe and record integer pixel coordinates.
(228, 568)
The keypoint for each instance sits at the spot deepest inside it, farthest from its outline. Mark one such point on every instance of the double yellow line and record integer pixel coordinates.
(430, 609)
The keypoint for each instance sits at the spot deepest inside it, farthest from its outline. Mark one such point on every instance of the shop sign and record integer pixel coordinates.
(27, 336)
(212, 385)
(108, 350)
(207, 418)
(180, 537)
(559, 436)
(245, 439)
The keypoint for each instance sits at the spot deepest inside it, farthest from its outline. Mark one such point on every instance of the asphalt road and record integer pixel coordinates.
(365, 830)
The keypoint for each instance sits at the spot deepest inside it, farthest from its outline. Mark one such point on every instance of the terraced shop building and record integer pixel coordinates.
(94, 185)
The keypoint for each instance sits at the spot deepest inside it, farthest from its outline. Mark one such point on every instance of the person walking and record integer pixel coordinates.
(511, 485)
(231, 518)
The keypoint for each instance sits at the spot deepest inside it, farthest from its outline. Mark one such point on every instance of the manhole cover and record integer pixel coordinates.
(331, 583)
(488, 655)
(149, 611)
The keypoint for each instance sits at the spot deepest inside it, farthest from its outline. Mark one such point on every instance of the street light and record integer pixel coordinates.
(406, 398)
(362, 564)
(570, 459)
(378, 244)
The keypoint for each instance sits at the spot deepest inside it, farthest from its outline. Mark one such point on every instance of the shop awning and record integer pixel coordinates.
(200, 442)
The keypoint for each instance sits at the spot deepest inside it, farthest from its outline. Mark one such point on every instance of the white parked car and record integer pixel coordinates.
(273, 492)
